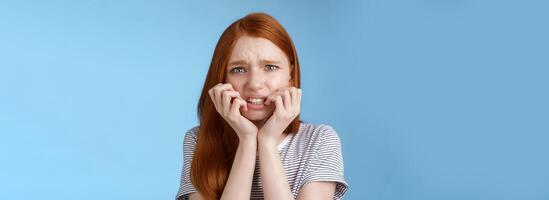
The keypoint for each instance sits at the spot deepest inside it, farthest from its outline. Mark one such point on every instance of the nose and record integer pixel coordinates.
(256, 80)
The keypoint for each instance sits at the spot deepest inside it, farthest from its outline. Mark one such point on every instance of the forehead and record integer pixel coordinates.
(256, 48)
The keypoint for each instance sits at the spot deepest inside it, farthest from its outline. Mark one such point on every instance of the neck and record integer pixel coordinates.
(260, 123)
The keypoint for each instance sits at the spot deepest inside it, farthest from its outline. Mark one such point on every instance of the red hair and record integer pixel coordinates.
(217, 142)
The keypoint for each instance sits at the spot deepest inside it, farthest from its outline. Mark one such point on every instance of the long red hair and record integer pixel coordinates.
(217, 142)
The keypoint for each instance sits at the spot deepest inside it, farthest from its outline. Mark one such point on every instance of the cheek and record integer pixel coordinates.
(237, 84)
(279, 82)
(238, 88)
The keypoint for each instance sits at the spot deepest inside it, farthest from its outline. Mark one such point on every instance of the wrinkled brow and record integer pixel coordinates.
(243, 62)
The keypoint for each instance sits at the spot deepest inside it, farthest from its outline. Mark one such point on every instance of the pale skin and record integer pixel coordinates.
(258, 68)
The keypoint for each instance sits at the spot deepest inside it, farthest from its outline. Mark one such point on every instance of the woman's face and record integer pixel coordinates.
(256, 69)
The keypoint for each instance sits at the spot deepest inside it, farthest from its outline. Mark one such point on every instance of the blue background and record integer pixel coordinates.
(433, 99)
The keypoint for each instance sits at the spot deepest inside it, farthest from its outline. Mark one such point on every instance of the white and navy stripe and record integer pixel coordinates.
(313, 154)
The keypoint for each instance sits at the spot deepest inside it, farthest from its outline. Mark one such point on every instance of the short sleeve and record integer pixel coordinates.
(326, 163)
(185, 186)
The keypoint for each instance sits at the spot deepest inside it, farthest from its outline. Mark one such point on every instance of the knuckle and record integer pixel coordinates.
(226, 93)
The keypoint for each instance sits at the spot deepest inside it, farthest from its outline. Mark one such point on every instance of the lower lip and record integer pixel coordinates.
(255, 106)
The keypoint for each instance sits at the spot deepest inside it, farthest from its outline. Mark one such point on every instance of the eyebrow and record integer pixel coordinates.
(241, 62)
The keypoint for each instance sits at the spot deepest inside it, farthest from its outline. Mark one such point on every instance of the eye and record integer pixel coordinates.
(238, 70)
(271, 67)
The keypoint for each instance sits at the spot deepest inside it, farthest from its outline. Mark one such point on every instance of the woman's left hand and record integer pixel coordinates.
(287, 106)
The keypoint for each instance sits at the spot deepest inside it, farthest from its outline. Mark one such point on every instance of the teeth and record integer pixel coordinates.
(258, 101)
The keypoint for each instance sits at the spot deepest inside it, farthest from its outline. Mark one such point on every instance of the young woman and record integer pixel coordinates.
(250, 143)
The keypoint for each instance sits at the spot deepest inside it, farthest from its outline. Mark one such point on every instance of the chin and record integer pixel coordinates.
(256, 115)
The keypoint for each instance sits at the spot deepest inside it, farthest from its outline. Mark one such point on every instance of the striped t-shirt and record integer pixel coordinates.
(313, 154)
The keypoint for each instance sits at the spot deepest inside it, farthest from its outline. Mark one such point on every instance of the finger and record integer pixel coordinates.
(227, 96)
(213, 89)
(245, 104)
(299, 95)
(271, 98)
(217, 92)
(294, 97)
(220, 88)
(287, 100)
(211, 94)
(237, 103)
(279, 104)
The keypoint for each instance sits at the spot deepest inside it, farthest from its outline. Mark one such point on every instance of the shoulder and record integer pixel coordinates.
(317, 131)
(318, 134)
(191, 135)
(192, 132)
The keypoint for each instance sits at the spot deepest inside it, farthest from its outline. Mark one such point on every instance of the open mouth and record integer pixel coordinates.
(256, 100)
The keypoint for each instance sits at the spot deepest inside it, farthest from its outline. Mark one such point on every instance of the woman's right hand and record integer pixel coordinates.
(227, 102)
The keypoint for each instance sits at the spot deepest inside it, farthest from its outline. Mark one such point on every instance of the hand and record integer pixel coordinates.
(227, 102)
(288, 105)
